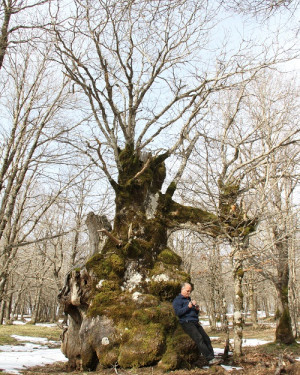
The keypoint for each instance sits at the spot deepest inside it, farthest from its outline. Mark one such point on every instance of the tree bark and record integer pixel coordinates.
(252, 301)
(284, 331)
(134, 278)
(132, 282)
(36, 306)
(238, 274)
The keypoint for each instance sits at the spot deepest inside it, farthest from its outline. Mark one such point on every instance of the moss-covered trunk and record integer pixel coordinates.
(119, 303)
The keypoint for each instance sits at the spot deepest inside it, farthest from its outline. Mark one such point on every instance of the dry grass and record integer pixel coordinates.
(51, 333)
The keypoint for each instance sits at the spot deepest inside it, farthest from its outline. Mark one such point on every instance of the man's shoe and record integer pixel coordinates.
(214, 361)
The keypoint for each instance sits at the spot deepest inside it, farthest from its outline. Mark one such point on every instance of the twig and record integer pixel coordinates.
(280, 365)
(113, 238)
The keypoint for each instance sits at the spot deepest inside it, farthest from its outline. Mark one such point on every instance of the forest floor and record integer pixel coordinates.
(266, 359)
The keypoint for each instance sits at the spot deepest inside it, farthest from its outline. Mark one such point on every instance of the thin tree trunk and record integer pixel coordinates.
(293, 300)
(22, 308)
(238, 274)
(252, 302)
(53, 310)
(284, 332)
(266, 307)
(8, 305)
(2, 309)
(35, 312)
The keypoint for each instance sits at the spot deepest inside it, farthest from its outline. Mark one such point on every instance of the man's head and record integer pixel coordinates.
(186, 289)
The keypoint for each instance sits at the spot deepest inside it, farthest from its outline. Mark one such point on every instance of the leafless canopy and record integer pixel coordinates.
(147, 69)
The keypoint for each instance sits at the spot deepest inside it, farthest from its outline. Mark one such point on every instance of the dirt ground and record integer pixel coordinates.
(262, 360)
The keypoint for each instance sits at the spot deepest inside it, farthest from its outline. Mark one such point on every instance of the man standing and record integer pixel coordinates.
(187, 312)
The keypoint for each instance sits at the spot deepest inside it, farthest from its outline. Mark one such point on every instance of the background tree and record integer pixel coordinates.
(30, 122)
(16, 15)
(233, 154)
(276, 182)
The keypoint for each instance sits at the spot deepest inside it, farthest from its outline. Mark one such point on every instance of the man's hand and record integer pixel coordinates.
(190, 305)
(194, 303)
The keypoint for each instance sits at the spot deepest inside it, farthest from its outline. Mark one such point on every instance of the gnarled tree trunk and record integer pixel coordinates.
(119, 303)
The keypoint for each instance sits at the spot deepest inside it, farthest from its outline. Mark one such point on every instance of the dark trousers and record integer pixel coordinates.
(201, 338)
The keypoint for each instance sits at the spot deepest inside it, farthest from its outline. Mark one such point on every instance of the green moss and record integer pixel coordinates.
(117, 263)
(130, 164)
(109, 285)
(285, 291)
(144, 346)
(166, 280)
(166, 290)
(133, 249)
(169, 257)
(184, 214)
(240, 273)
(147, 300)
(159, 175)
(115, 305)
(240, 294)
(156, 233)
(108, 355)
(156, 314)
(106, 266)
(180, 351)
(171, 189)
(284, 333)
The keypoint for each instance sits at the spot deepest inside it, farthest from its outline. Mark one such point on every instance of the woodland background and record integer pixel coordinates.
(51, 178)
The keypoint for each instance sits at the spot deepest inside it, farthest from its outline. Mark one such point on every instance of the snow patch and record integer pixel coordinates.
(42, 340)
(46, 324)
(14, 359)
(252, 342)
(230, 368)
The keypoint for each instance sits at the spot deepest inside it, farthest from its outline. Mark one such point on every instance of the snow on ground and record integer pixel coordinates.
(41, 340)
(19, 322)
(13, 359)
(13, 362)
(230, 368)
(253, 342)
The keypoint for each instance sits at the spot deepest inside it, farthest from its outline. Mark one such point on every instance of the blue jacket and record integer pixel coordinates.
(182, 310)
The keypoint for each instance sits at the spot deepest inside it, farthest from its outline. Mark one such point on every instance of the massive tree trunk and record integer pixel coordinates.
(119, 302)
